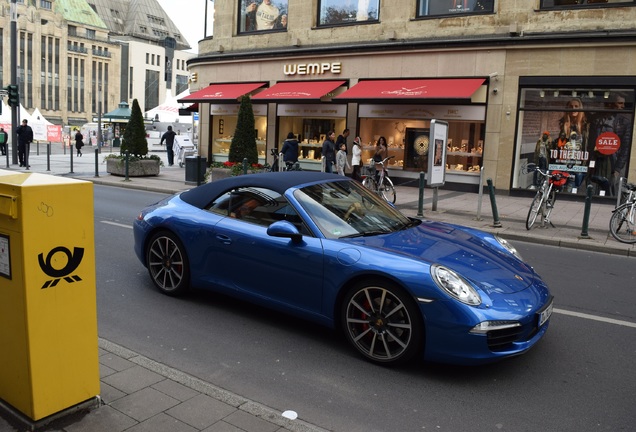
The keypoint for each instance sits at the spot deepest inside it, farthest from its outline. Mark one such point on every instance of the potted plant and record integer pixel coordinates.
(134, 145)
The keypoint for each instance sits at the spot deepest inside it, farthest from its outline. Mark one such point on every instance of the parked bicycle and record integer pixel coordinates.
(289, 166)
(543, 202)
(622, 224)
(377, 180)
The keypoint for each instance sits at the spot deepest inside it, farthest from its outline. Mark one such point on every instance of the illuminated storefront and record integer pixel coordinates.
(589, 122)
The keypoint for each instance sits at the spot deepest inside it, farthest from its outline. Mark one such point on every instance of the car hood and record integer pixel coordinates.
(474, 254)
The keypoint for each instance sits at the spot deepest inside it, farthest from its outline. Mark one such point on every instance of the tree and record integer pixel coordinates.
(244, 141)
(134, 139)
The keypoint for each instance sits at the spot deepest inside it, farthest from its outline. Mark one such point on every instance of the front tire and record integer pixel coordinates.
(168, 264)
(535, 208)
(623, 224)
(382, 323)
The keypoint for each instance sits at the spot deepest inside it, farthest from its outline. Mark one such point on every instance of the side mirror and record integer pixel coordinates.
(284, 229)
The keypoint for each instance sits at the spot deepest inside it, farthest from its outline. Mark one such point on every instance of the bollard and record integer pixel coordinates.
(96, 163)
(127, 154)
(48, 156)
(586, 213)
(495, 214)
(245, 165)
(420, 202)
(435, 196)
(481, 193)
(71, 153)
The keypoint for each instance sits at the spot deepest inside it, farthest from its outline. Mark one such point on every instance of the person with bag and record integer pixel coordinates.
(79, 142)
(356, 159)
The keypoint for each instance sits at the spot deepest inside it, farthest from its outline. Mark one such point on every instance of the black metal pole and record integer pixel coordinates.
(245, 165)
(493, 203)
(420, 203)
(48, 156)
(71, 152)
(97, 162)
(586, 213)
(126, 158)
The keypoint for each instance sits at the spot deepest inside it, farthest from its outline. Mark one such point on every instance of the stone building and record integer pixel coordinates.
(74, 53)
(500, 73)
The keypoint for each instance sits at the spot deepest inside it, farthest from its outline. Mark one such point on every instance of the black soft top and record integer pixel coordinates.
(203, 195)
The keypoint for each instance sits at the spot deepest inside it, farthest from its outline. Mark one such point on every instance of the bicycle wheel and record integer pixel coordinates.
(369, 183)
(388, 191)
(549, 204)
(622, 224)
(535, 209)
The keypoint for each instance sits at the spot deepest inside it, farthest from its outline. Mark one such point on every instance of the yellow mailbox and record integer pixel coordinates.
(48, 317)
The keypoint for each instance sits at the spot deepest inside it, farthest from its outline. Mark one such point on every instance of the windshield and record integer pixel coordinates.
(347, 209)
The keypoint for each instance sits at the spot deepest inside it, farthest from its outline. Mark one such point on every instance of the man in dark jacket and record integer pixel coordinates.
(168, 137)
(329, 151)
(25, 138)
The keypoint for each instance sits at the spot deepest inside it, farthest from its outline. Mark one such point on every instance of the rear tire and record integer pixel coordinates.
(622, 224)
(370, 184)
(535, 208)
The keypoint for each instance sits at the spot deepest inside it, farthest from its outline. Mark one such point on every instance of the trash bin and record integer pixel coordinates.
(116, 142)
(191, 165)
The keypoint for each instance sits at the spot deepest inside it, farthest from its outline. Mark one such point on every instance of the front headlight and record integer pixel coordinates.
(455, 285)
(510, 248)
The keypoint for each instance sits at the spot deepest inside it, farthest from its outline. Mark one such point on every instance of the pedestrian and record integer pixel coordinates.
(341, 159)
(329, 151)
(356, 159)
(25, 138)
(79, 142)
(4, 139)
(290, 150)
(342, 139)
(168, 137)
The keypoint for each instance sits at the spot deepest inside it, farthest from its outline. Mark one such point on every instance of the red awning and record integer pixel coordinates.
(452, 88)
(296, 90)
(222, 92)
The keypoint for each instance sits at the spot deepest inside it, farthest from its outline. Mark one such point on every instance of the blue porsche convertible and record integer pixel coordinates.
(324, 248)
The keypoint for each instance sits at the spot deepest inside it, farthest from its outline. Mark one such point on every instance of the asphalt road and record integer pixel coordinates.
(581, 377)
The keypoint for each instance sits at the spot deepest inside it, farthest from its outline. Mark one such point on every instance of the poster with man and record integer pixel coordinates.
(263, 15)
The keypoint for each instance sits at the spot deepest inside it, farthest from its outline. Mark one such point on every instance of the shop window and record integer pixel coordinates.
(265, 15)
(336, 12)
(570, 4)
(590, 136)
(408, 139)
(428, 8)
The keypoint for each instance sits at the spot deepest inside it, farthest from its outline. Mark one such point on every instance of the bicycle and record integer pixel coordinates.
(289, 166)
(382, 185)
(543, 202)
(622, 224)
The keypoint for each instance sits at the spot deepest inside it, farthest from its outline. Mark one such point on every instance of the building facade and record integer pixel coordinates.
(72, 54)
(499, 72)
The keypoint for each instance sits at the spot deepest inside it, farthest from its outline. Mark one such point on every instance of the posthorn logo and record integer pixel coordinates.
(73, 261)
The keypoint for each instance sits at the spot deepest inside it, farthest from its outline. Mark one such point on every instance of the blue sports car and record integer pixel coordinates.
(324, 248)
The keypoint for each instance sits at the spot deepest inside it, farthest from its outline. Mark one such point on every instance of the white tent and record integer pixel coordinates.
(39, 125)
(168, 111)
(5, 118)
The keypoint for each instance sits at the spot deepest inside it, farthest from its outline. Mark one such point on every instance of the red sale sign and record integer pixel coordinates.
(608, 143)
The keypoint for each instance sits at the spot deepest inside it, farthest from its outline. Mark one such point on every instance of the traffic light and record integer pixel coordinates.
(14, 95)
